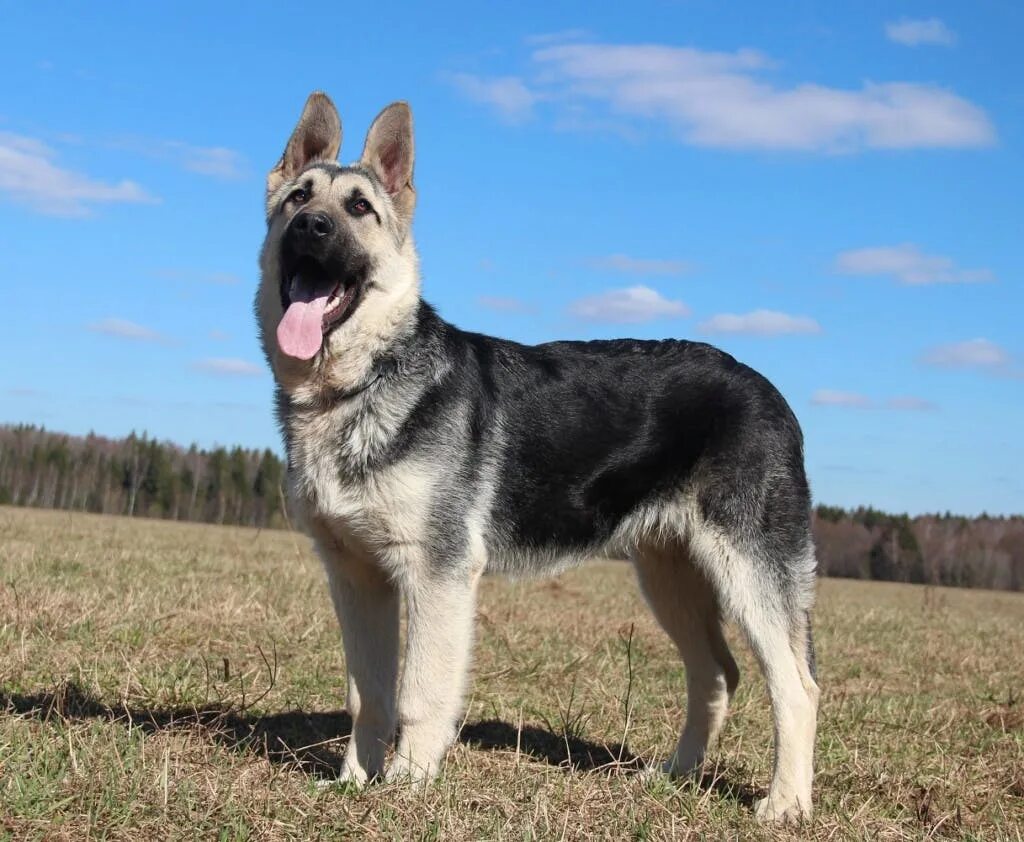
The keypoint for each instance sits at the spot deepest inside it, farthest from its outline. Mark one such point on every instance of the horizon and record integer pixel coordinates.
(276, 452)
(830, 195)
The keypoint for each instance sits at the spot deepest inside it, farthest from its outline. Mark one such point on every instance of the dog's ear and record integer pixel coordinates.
(317, 137)
(389, 153)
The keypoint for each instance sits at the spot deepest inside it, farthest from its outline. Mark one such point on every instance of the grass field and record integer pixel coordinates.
(162, 680)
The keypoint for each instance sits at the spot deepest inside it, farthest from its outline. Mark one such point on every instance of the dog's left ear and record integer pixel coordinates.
(389, 153)
(317, 137)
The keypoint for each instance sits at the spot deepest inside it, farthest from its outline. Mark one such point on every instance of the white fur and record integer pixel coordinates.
(791, 689)
(439, 639)
(685, 606)
(367, 606)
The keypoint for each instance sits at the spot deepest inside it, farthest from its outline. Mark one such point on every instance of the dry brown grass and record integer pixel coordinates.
(163, 680)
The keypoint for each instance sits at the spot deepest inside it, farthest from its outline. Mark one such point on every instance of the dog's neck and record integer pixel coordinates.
(352, 353)
(365, 418)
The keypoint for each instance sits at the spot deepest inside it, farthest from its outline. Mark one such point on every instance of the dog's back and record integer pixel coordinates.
(579, 445)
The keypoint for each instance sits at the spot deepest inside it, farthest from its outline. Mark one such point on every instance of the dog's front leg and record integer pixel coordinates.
(367, 606)
(439, 638)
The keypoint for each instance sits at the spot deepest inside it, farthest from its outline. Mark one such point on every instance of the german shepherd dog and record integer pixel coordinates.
(421, 456)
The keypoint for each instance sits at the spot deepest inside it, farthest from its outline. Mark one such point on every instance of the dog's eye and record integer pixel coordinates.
(299, 197)
(360, 207)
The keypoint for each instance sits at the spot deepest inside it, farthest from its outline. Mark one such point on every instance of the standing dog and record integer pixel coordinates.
(421, 456)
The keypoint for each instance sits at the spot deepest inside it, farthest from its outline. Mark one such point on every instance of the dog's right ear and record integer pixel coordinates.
(317, 137)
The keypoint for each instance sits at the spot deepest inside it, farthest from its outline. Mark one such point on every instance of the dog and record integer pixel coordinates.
(421, 456)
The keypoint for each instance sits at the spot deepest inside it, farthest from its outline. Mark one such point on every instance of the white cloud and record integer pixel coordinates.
(507, 95)
(974, 353)
(627, 265)
(909, 265)
(719, 99)
(833, 397)
(726, 100)
(214, 161)
(909, 403)
(229, 366)
(124, 329)
(855, 400)
(760, 323)
(219, 335)
(506, 305)
(630, 305)
(913, 33)
(29, 175)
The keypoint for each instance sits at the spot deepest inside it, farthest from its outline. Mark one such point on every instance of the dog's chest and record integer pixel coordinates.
(331, 484)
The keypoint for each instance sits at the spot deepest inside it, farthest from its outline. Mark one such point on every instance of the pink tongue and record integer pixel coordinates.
(300, 332)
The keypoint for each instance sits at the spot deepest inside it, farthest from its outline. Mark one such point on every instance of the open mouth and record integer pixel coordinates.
(315, 301)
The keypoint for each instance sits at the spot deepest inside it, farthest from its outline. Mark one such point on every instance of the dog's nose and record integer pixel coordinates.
(316, 226)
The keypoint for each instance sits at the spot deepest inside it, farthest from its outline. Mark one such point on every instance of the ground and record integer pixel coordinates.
(165, 680)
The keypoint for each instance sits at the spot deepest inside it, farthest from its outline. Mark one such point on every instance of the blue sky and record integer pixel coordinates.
(832, 192)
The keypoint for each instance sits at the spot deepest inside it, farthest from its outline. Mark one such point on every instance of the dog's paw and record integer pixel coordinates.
(781, 811)
(403, 771)
(352, 774)
(688, 765)
(673, 769)
(657, 771)
(337, 785)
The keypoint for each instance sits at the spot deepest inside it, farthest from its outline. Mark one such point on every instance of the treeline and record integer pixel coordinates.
(145, 477)
(981, 552)
(140, 476)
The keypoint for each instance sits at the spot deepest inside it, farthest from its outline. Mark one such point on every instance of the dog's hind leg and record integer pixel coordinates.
(685, 605)
(770, 601)
(367, 606)
(794, 698)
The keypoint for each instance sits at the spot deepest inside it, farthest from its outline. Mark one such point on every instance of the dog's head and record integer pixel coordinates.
(338, 263)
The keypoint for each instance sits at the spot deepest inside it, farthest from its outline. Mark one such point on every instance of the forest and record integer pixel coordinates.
(935, 549)
(139, 476)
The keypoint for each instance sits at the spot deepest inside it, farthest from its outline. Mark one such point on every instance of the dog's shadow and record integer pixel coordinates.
(313, 743)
